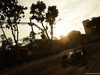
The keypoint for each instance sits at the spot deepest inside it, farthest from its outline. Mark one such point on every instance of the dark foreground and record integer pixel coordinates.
(52, 65)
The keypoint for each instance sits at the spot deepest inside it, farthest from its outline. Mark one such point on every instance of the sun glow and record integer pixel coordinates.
(61, 28)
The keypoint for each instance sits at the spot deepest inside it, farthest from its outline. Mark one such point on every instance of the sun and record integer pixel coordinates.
(61, 28)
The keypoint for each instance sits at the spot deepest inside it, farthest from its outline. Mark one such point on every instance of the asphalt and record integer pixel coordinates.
(52, 65)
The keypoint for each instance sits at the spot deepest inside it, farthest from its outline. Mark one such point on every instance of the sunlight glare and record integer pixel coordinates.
(61, 28)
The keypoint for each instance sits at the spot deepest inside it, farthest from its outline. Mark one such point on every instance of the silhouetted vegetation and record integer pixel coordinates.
(11, 13)
(39, 14)
(72, 39)
(10, 16)
(50, 16)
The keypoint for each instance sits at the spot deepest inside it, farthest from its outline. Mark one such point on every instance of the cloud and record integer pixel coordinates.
(81, 9)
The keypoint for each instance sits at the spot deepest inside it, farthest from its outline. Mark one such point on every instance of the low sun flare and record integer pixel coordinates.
(61, 29)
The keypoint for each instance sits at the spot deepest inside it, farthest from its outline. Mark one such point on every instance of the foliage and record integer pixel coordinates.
(11, 13)
(2, 36)
(39, 14)
(72, 39)
(6, 44)
(50, 17)
(51, 14)
(32, 35)
(43, 36)
(10, 41)
(26, 40)
(74, 36)
(37, 11)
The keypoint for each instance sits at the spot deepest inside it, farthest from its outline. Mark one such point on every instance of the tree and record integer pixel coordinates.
(26, 40)
(10, 41)
(2, 18)
(43, 36)
(39, 14)
(12, 14)
(50, 17)
(94, 25)
(6, 44)
(74, 37)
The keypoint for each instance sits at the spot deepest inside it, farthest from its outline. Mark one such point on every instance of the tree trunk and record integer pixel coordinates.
(51, 32)
(14, 36)
(32, 29)
(17, 33)
(4, 34)
(46, 31)
(33, 32)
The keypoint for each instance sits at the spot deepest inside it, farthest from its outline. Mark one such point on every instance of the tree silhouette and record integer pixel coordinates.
(39, 14)
(74, 37)
(4, 35)
(26, 40)
(50, 17)
(32, 34)
(6, 44)
(94, 25)
(12, 13)
(43, 36)
(10, 41)
(2, 19)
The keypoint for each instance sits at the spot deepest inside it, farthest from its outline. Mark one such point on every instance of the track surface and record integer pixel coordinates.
(52, 65)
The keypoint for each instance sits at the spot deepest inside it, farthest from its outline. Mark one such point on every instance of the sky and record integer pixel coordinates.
(71, 13)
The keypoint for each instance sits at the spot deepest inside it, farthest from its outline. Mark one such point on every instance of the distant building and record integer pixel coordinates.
(87, 30)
